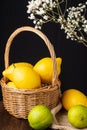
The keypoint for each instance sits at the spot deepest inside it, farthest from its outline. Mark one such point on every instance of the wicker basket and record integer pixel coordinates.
(18, 102)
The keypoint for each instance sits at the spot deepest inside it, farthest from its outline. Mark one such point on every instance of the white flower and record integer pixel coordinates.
(46, 1)
(38, 2)
(40, 11)
(34, 21)
(45, 17)
(31, 16)
(31, 6)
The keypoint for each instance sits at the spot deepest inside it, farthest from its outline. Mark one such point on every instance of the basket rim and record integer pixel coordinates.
(29, 91)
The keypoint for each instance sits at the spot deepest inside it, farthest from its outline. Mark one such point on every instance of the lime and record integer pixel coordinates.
(77, 116)
(40, 117)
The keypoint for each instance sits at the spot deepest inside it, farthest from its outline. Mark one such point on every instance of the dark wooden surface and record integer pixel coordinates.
(8, 122)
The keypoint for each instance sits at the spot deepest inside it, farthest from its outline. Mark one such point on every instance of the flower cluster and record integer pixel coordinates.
(41, 11)
(72, 20)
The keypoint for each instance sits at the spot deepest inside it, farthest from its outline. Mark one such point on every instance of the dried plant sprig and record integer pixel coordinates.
(72, 20)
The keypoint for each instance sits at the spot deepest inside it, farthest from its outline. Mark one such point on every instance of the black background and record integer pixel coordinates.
(29, 47)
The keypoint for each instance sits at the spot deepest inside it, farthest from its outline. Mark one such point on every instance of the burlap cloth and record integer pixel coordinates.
(63, 120)
(60, 119)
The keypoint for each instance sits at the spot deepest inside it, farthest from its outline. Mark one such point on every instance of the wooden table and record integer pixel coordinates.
(8, 122)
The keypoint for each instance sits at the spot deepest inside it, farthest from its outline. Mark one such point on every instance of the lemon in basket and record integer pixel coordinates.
(40, 117)
(23, 76)
(11, 84)
(44, 68)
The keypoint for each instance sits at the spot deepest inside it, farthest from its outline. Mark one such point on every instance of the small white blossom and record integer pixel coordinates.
(46, 1)
(34, 21)
(44, 5)
(45, 17)
(31, 6)
(31, 16)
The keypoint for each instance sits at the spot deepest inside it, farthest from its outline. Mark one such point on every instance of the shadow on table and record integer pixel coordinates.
(9, 122)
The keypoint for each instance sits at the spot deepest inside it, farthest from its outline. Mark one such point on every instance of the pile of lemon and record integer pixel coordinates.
(24, 75)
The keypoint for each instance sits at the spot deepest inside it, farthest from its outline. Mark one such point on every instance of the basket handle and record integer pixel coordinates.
(55, 80)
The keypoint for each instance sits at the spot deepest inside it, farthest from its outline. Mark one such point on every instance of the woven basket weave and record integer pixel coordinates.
(18, 102)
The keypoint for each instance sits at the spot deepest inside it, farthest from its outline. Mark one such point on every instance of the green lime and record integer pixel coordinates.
(77, 116)
(40, 117)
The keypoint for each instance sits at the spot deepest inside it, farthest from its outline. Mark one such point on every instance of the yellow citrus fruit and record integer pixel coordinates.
(40, 117)
(44, 68)
(23, 76)
(73, 97)
(22, 64)
(11, 84)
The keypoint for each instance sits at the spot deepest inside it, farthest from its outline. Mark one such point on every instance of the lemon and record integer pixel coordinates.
(40, 117)
(77, 116)
(23, 76)
(11, 84)
(44, 68)
(73, 97)
(24, 64)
